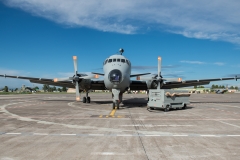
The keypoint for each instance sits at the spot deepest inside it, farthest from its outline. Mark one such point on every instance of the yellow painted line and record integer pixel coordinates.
(113, 112)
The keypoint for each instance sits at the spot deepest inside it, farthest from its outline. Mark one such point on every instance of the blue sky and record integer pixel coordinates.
(196, 40)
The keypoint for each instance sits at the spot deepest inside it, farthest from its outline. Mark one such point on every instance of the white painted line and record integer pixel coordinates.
(152, 135)
(104, 153)
(233, 135)
(68, 134)
(96, 134)
(14, 133)
(208, 135)
(40, 134)
(180, 135)
(125, 135)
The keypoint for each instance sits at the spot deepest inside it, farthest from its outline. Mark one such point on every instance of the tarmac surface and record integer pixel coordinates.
(54, 126)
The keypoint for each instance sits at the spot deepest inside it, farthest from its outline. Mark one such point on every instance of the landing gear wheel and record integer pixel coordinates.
(84, 99)
(118, 105)
(88, 99)
(113, 105)
(151, 108)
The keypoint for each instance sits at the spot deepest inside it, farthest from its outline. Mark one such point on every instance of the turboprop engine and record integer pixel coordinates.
(157, 81)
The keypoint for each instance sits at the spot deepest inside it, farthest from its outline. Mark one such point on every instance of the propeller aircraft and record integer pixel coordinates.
(117, 79)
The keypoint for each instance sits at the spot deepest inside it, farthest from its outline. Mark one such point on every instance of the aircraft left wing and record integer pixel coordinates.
(142, 85)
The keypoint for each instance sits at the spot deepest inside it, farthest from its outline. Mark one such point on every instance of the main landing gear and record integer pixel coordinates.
(86, 99)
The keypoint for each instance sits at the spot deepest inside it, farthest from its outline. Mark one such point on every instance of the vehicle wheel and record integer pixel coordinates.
(166, 109)
(88, 99)
(84, 99)
(113, 105)
(185, 106)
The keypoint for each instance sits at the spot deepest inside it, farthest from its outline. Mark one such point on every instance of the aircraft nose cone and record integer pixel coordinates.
(115, 76)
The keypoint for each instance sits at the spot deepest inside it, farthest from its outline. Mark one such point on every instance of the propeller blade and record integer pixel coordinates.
(77, 92)
(92, 76)
(62, 79)
(159, 66)
(75, 64)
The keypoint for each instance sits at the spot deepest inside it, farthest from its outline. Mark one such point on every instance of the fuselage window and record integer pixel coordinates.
(118, 60)
(123, 60)
(114, 60)
(110, 60)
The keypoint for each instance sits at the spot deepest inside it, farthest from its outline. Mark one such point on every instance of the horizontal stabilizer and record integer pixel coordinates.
(135, 75)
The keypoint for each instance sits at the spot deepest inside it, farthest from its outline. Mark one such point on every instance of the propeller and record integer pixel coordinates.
(76, 78)
(159, 77)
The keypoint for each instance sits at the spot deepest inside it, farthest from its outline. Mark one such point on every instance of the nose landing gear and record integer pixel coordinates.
(117, 98)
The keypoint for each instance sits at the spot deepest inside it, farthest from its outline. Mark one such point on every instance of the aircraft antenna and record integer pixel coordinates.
(121, 51)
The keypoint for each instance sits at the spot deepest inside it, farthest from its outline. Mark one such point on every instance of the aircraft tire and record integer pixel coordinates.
(113, 105)
(84, 99)
(118, 105)
(88, 100)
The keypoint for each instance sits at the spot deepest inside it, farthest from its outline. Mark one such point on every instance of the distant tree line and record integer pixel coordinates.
(47, 88)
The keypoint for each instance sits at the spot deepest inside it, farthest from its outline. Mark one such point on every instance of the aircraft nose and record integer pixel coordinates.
(115, 76)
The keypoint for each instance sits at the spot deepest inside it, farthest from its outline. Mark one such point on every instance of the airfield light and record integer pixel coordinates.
(159, 58)
(55, 80)
(74, 57)
(78, 98)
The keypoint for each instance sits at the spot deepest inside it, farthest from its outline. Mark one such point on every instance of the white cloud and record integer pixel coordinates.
(219, 63)
(193, 62)
(214, 20)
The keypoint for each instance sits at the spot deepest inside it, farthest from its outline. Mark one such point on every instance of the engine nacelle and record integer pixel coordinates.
(84, 84)
(152, 84)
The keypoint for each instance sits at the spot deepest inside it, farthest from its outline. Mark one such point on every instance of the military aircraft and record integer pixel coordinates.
(117, 79)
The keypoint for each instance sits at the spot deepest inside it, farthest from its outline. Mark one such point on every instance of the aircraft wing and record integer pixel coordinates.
(95, 85)
(141, 85)
(43, 81)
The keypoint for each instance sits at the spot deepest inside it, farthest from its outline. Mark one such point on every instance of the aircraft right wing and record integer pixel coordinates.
(142, 85)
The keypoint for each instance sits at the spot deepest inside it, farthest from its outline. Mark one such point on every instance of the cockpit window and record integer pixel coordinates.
(127, 62)
(105, 61)
(114, 60)
(123, 60)
(118, 60)
(110, 60)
